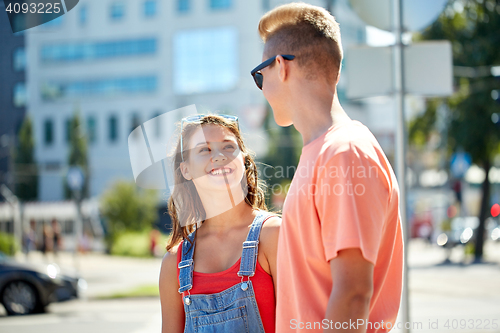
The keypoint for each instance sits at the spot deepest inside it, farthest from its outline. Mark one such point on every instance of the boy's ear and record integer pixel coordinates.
(283, 68)
(185, 171)
(338, 75)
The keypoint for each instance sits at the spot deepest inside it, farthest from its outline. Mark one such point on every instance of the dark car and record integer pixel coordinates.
(26, 289)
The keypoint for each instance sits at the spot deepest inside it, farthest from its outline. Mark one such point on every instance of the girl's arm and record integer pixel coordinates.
(172, 308)
(269, 242)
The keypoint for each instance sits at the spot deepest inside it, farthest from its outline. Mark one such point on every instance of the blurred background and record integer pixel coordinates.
(74, 88)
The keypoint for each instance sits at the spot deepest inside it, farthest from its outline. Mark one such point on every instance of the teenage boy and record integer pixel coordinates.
(340, 250)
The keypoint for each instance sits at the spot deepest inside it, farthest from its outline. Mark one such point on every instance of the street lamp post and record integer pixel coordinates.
(75, 179)
(400, 93)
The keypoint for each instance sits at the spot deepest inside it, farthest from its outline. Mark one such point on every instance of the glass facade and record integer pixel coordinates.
(99, 88)
(183, 5)
(19, 59)
(205, 60)
(70, 52)
(20, 98)
(220, 4)
(117, 11)
(150, 8)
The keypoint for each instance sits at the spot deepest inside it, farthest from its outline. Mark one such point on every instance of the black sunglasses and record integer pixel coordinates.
(257, 75)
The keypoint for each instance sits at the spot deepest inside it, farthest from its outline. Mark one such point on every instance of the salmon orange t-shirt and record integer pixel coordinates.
(344, 194)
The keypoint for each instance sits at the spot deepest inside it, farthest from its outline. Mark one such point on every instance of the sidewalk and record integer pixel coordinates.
(453, 297)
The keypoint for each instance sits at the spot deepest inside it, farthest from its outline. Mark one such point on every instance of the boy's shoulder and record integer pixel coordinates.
(350, 138)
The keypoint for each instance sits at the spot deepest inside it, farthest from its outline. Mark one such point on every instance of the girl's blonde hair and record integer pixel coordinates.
(184, 204)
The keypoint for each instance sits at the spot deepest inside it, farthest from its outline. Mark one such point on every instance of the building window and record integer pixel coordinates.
(202, 55)
(183, 5)
(157, 126)
(117, 11)
(92, 129)
(20, 98)
(150, 8)
(19, 60)
(68, 130)
(48, 131)
(52, 91)
(113, 128)
(83, 15)
(220, 4)
(72, 52)
(136, 122)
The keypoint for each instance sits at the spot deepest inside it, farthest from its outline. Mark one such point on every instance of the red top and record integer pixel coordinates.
(211, 283)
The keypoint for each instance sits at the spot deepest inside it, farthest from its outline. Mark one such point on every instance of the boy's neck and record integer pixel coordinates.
(316, 114)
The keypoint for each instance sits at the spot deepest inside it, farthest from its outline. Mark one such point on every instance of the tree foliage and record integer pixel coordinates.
(280, 163)
(78, 155)
(25, 168)
(472, 26)
(126, 208)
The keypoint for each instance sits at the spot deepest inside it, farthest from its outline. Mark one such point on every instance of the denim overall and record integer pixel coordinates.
(232, 310)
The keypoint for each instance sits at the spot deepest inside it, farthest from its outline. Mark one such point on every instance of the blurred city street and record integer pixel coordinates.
(94, 99)
(438, 292)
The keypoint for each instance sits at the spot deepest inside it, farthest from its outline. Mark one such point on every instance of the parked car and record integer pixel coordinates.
(26, 289)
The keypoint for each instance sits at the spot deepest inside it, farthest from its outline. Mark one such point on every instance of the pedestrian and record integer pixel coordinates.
(221, 276)
(340, 249)
(47, 239)
(154, 236)
(56, 236)
(30, 237)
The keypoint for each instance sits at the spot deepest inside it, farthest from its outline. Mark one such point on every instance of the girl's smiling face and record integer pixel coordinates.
(215, 160)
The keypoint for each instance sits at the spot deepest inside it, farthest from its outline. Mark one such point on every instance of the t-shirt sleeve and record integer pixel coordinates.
(352, 196)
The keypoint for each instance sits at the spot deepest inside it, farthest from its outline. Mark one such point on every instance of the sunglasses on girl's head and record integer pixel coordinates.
(197, 118)
(257, 75)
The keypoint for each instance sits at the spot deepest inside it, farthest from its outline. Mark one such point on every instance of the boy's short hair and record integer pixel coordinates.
(308, 32)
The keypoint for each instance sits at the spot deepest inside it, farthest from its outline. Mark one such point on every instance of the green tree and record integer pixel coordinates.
(25, 168)
(281, 161)
(78, 154)
(126, 208)
(473, 28)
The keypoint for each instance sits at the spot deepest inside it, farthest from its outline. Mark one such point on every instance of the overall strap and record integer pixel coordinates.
(251, 246)
(186, 265)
